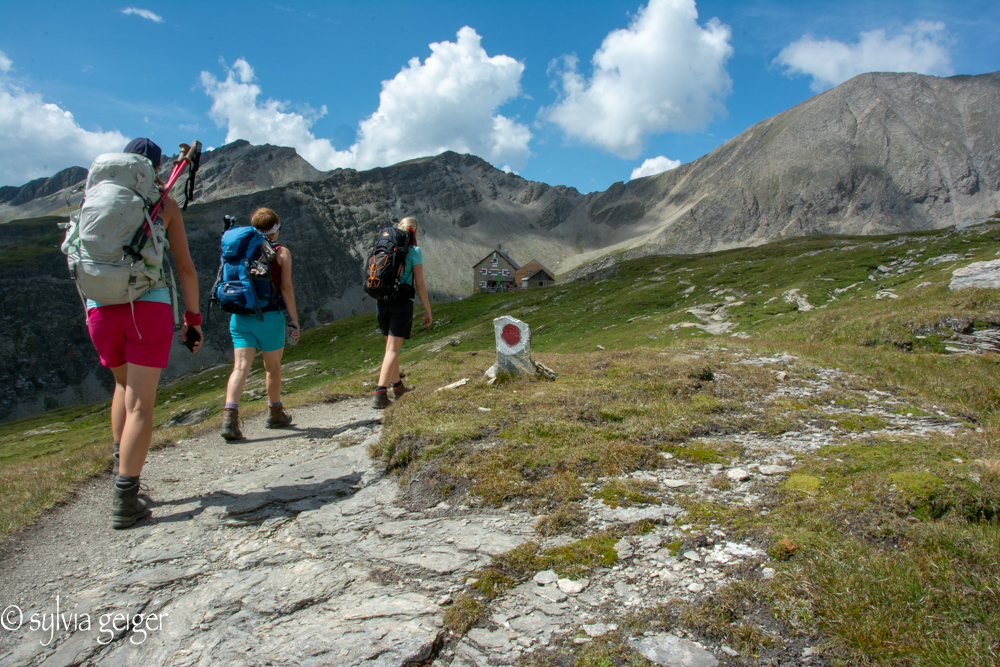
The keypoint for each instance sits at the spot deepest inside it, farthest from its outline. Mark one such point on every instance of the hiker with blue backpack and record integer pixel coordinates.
(394, 274)
(115, 249)
(255, 284)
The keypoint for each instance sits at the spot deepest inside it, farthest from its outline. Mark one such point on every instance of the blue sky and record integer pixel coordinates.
(547, 89)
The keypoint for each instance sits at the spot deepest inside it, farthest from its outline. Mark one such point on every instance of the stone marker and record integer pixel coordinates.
(513, 339)
(666, 649)
(977, 274)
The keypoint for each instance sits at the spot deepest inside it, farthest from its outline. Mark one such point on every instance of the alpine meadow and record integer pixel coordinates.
(754, 418)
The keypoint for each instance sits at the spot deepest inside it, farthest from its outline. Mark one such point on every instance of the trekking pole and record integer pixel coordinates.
(188, 155)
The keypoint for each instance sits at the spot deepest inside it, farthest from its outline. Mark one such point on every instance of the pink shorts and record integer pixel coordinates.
(117, 337)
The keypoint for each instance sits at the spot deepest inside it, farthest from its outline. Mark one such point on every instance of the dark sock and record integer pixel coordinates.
(118, 447)
(379, 389)
(397, 385)
(126, 482)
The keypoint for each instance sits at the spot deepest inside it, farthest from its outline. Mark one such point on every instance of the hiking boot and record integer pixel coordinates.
(231, 424)
(126, 507)
(278, 418)
(400, 389)
(381, 400)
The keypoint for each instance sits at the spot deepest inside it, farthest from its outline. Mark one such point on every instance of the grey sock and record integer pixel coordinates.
(126, 482)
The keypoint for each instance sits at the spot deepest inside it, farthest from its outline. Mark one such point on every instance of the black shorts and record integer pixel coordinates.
(395, 318)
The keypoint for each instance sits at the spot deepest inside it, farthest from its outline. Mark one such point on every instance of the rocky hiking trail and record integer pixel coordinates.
(294, 548)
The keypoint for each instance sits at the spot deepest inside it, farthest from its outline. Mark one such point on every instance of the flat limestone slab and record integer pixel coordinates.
(299, 555)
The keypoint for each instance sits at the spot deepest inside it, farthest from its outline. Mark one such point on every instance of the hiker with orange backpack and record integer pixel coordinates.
(115, 251)
(394, 275)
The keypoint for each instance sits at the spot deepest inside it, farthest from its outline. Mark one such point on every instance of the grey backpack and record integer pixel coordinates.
(121, 189)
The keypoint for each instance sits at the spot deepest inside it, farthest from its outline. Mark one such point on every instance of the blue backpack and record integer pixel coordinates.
(244, 282)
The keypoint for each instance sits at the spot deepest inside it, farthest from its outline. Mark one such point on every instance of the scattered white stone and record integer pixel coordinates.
(800, 300)
(482, 409)
(737, 475)
(670, 651)
(453, 385)
(772, 470)
(550, 593)
(696, 587)
(977, 274)
(768, 573)
(546, 577)
(624, 549)
(676, 483)
(781, 376)
(885, 294)
(728, 651)
(924, 284)
(571, 587)
(600, 347)
(599, 629)
(742, 550)
(692, 556)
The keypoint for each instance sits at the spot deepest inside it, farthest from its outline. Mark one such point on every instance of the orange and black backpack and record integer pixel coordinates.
(385, 264)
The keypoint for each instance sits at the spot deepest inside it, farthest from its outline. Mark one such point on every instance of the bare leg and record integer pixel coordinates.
(390, 364)
(243, 360)
(140, 396)
(272, 370)
(118, 403)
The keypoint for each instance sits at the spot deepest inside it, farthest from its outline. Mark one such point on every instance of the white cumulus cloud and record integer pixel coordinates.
(664, 72)
(447, 102)
(144, 13)
(38, 138)
(921, 47)
(653, 166)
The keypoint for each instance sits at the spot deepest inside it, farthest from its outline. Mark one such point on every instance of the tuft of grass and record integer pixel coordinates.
(805, 483)
(627, 492)
(463, 613)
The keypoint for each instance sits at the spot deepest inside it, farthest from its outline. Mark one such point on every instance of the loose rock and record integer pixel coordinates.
(671, 651)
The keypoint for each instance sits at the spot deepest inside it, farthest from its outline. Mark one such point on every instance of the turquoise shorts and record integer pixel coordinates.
(267, 336)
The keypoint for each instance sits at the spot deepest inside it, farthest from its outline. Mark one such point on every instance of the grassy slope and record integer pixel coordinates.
(611, 411)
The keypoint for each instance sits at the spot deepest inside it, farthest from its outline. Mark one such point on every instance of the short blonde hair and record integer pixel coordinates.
(264, 219)
(407, 224)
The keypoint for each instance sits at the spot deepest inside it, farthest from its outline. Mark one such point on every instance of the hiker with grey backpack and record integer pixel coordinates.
(116, 254)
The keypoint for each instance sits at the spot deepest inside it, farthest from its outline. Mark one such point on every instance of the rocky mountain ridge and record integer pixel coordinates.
(881, 153)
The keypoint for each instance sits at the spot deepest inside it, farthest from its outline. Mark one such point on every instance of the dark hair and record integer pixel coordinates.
(147, 149)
